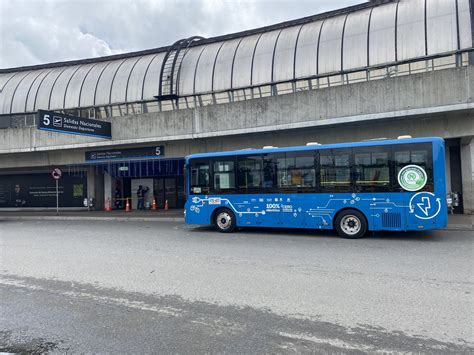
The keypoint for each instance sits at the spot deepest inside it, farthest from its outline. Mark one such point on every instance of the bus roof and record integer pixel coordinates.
(369, 143)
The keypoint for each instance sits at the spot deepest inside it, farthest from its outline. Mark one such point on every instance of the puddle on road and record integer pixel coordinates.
(23, 345)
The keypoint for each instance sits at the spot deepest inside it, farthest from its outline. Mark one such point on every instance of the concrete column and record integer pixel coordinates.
(90, 183)
(467, 172)
(108, 189)
(95, 187)
(448, 169)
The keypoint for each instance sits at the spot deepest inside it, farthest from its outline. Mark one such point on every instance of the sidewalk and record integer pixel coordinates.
(174, 215)
(456, 222)
(461, 222)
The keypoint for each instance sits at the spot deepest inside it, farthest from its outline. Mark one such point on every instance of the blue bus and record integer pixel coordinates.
(392, 185)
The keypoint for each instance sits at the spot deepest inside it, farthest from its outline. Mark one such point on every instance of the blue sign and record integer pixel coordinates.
(58, 122)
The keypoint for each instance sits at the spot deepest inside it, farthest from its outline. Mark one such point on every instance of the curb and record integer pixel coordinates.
(460, 227)
(453, 227)
(87, 218)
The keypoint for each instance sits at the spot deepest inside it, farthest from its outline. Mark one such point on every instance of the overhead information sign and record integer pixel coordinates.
(58, 122)
(123, 154)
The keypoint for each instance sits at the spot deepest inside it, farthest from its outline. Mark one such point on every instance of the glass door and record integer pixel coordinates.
(159, 192)
(170, 192)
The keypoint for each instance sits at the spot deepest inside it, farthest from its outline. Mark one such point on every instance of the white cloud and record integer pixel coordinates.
(42, 31)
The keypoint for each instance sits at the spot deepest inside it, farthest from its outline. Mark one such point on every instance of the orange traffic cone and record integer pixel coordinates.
(166, 205)
(127, 206)
(153, 205)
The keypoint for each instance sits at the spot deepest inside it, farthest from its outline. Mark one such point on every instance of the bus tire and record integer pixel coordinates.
(351, 224)
(224, 220)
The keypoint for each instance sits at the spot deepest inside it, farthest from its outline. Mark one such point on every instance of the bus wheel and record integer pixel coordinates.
(224, 220)
(351, 224)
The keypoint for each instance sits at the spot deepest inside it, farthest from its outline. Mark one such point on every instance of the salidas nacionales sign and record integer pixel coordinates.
(58, 122)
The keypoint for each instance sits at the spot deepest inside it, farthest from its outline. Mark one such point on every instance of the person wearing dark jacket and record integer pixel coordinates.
(141, 193)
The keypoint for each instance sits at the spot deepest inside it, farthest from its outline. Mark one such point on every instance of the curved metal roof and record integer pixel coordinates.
(373, 34)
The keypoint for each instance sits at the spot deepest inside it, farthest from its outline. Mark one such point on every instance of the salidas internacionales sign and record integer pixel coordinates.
(58, 122)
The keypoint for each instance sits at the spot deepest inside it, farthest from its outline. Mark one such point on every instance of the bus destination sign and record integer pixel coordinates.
(58, 122)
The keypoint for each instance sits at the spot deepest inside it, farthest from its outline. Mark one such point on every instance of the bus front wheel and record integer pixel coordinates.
(351, 224)
(224, 220)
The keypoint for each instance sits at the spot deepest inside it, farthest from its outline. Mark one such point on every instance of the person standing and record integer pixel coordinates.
(141, 192)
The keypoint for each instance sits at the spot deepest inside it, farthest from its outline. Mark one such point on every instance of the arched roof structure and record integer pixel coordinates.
(372, 34)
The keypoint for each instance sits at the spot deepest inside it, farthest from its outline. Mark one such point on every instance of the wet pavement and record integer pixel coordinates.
(166, 287)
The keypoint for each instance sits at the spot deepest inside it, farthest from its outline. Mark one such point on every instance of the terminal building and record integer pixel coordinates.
(380, 69)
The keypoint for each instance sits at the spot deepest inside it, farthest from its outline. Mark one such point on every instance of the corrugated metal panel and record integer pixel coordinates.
(411, 29)
(151, 84)
(465, 29)
(135, 83)
(188, 69)
(441, 26)
(330, 45)
(243, 62)
(119, 84)
(223, 70)
(263, 58)
(307, 50)
(102, 96)
(31, 96)
(355, 40)
(8, 91)
(44, 91)
(253, 60)
(21, 94)
(4, 78)
(73, 90)
(59, 89)
(285, 54)
(205, 68)
(382, 34)
(90, 84)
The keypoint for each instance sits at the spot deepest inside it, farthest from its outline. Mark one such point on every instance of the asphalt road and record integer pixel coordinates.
(167, 287)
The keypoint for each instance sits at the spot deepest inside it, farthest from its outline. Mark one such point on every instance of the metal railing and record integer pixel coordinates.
(249, 93)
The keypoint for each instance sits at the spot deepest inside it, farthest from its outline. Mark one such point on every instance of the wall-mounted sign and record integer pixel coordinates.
(58, 122)
(39, 190)
(121, 154)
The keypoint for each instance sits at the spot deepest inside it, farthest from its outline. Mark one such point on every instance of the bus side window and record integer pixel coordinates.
(372, 169)
(250, 173)
(298, 172)
(224, 176)
(270, 171)
(335, 170)
(417, 154)
(199, 171)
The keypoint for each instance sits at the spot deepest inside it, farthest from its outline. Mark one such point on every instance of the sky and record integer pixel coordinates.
(44, 31)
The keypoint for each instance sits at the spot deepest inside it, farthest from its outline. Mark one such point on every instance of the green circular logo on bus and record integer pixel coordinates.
(412, 177)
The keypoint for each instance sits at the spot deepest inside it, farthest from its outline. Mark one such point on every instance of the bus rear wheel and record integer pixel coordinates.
(224, 220)
(351, 224)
